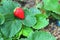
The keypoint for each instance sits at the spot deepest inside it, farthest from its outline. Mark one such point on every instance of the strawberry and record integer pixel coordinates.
(19, 13)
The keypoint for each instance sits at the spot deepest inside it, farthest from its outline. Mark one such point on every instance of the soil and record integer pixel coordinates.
(52, 28)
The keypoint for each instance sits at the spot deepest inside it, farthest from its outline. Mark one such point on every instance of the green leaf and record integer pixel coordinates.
(42, 35)
(10, 28)
(57, 11)
(48, 13)
(23, 39)
(56, 16)
(9, 17)
(52, 5)
(18, 34)
(8, 39)
(0, 34)
(29, 21)
(8, 6)
(2, 19)
(41, 22)
(1, 38)
(27, 12)
(34, 11)
(27, 31)
(11, 25)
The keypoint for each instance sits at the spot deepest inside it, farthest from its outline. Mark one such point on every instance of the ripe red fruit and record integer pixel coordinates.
(19, 13)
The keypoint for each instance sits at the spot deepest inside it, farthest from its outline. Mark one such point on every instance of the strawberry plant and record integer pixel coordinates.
(53, 7)
(16, 21)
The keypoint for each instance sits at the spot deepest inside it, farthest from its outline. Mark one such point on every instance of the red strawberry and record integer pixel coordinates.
(19, 13)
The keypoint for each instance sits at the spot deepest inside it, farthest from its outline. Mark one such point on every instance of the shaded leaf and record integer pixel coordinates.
(56, 16)
(23, 39)
(42, 35)
(29, 21)
(8, 6)
(2, 19)
(10, 28)
(35, 11)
